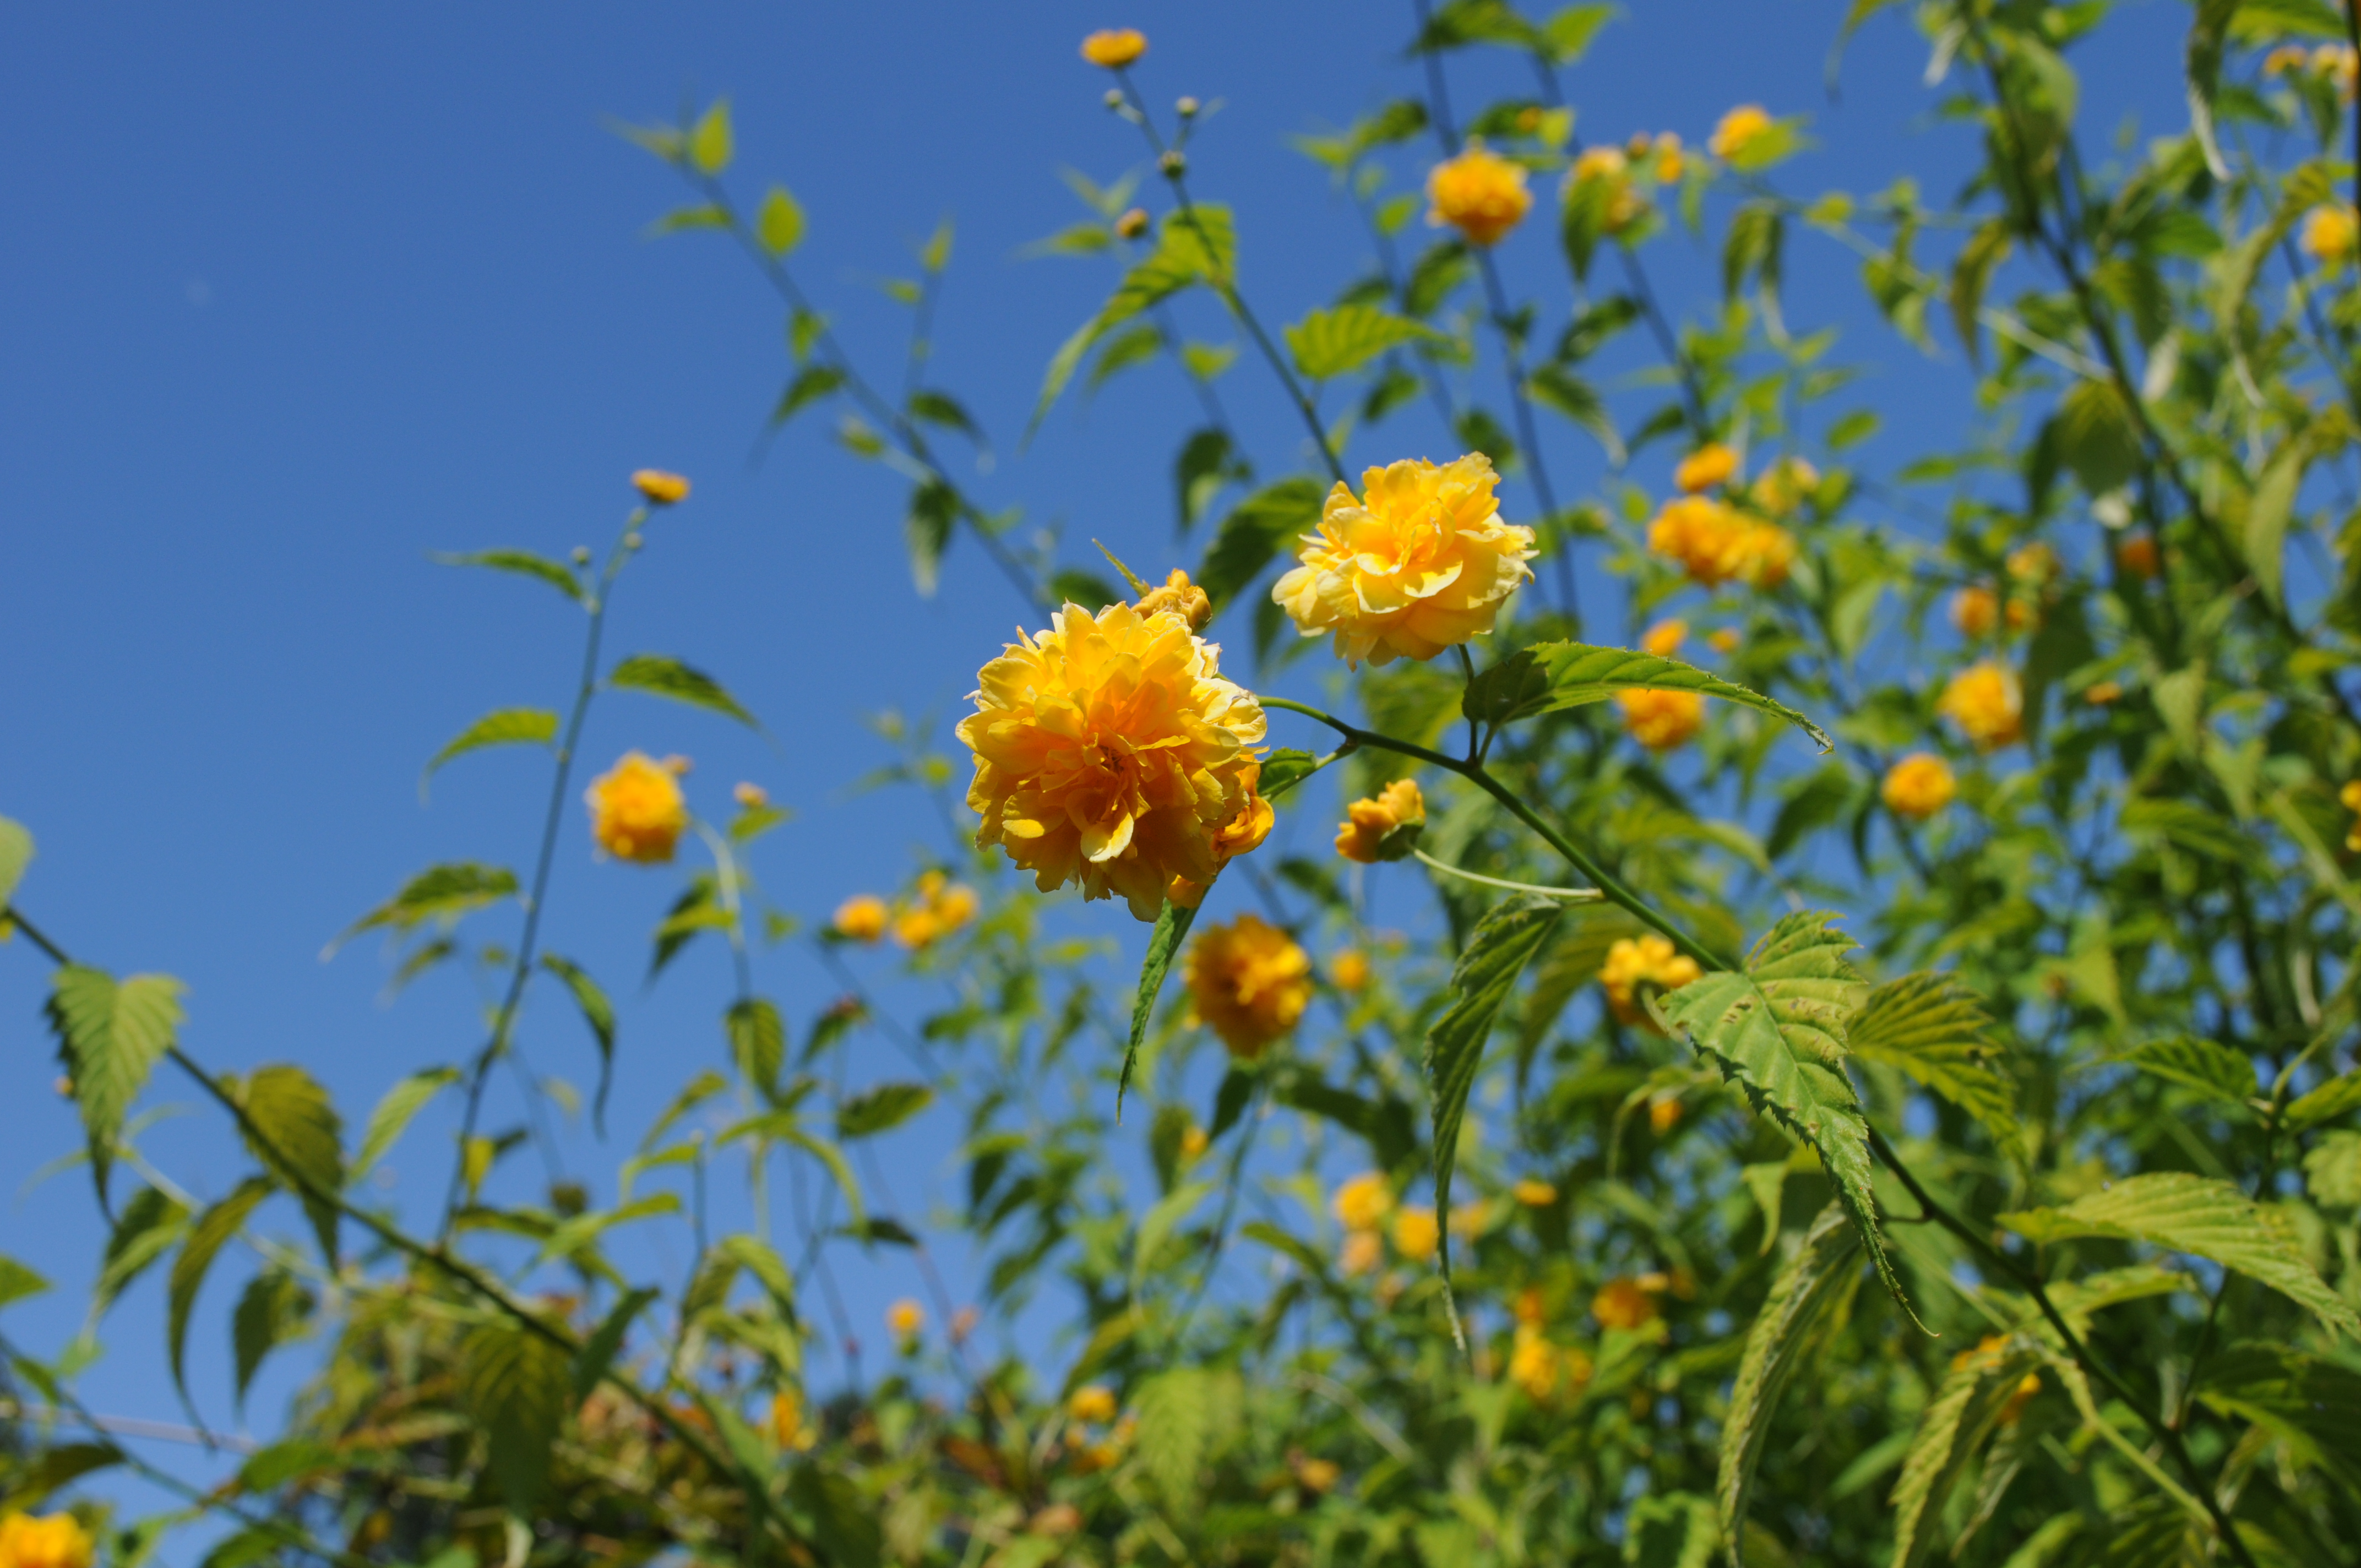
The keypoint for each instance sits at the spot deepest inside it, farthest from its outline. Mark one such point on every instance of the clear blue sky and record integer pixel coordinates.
(295, 295)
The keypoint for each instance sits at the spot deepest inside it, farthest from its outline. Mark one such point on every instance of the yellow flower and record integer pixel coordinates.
(57, 1541)
(1250, 983)
(1181, 597)
(1664, 639)
(1985, 701)
(937, 908)
(1622, 1303)
(1114, 48)
(1480, 193)
(905, 1319)
(1363, 1204)
(1318, 1475)
(2137, 557)
(1669, 162)
(2330, 234)
(2350, 795)
(1368, 824)
(1092, 1403)
(1363, 1251)
(2286, 60)
(1784, 486)
(2338, 62)
(1416, 1233)
(1632, 962)
(2021, 1395)
(661, 488)
(2099, 693)
(1709, 466)
(1350, 970)
(861, 918)
(1660, 721)
(1723, 640)
(1607, 167)
(1738, 130)
(1133, 223)
(2036, 564)
(916, 927)
(1193, 1141)
(1537, 1366)
(1421, 565)
(1663, 1113)
(637, 812)
(1534, 1194)
(1109, 751)
(789, 1427)
(1715, 544)
(1917, 786)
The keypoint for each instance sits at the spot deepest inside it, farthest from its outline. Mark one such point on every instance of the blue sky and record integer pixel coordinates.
(296, 295)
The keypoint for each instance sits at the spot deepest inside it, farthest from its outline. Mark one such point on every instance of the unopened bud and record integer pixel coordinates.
(632, 541)
(1114, 97)
(582, 555)
(1132, 225)
(1173, 164)
(1188, 108)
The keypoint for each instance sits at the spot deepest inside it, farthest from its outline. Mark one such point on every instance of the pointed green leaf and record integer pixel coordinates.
(151, 1223)
(669, 677)
(1934, 1028)
(758, 1043)
(1553, 675)
(845, 1524)
(272, 1310)
(17, 1282)
(214, 1227)
(881, 1108)
(1951, 1430)
(2311, 1403)
(517, 1386)
(504, 727)
(524, 563)
(394, 1113)
(1155, 1228)
(780, 224)
(2212, 1069)
(2335, 1098)
(439, 893)
(16, 854)
(110, 1036)
(598, 1351)
(298, 1135)
(1257, 532)
(599, 1013)
(710, 144)
(812, 383)
(1163, 944)
(1329, 343)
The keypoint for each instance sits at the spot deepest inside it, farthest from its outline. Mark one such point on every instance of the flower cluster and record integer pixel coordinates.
(1480, 193)
(791, 1428)
(1633, 962)
(1919, 787)
(637, 810)
(1542, 1368)
(1250, 983)
(1717, 543)
(1987, 703)
(1384, 828)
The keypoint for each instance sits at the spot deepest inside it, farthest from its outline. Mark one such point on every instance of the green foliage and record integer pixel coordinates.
(667, 677)
(110, 1036)
(503, 727)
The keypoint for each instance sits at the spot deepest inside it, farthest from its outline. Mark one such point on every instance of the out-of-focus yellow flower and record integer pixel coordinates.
(1669, 161)
(1738, 130)
(1363, 1203)
(935, 909)
(1416, 1233)
(1535, 1193)
(1421, 565)
(661, 488)
(1709, 466)
(1664, 639)
(1114, 48)
(1480, 193)
(905, 1319)
(862, 918)
(56, 1542)
(2035, 563)
(1986, 1350)
(1534, 1364)
(1195, 1141)
(1318, 1475)
(1529, 1307)
(2137, 557)
(1133, 223)
(752, 796)
(1660, 721)
(1785, 485)
(2099, 693)
(1985, 701)
(2350, 795)
(1368, 824)
(916, 927)
(2338, 63)
(2021, 1395)
(1362, 1252)
(1723, 640)
(637, 812)
(1350, 970)
(1471, 1219)
(1606, 168)
(1093, 1404)
(1250, 983)
(2330, 234)
(1917, 786)
(1622, 1303)
(1717, 543)
(1179, 597)
(1663, 1113)
(1109, 751)
(1975, 610)
(1634, 961)
(789, 1430)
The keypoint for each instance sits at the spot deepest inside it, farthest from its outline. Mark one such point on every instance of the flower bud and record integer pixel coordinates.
(1173, 163)
(1133, 223)
(1188, 108)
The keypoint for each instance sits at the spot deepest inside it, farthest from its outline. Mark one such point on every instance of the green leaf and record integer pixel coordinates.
(1671, 1529)
(598, 1351)
(710, 144)
(516, 1385)
(1199, 248)
(1155, 1228)
(54, 1470)
(298, 1135)
(2096, 437)
(524, 563)
(2201, 1216)
(758, 1043)
(504, 727)
(439, 893)
(1183, 1414)
(926, 529)
(703, 215)
(661, 676)
(16, 854)
(393, 1115)
(17, 1282)
(1553, 675)
(1811, 1283)
(1163, 944)
(2212, 1069)
(214, 1227)
(1328, 343)
(2202, 68)
(1208, 461)
(148, 1227)
(599, 1013)
(780, 223)
(2308, 1402)
(1255, 533)
(942, 409)
(272, 1309)
(845, 1525)
(1286, 768)
(1934, 1028)
(110, 1036)
(1777, 1030)
(2330, 1099)
(2332, 1170)
(881, 1108)
(1970, 275)
(2265, 539)
(1555, 387)
(1952, 1429)
(1504, 941)
(812, 383)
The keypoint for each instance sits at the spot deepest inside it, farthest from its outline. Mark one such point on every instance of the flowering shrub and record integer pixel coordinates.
(1892, 1091)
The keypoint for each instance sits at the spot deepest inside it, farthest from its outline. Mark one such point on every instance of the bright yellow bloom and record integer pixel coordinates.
(1363, 1251)
(2330, 234)
(1369, 823)
(1363, 1204)
(2137, 557)
(1985, 701)
(1632, 962)
(1917, 786)
(1421, 565)
(1318, 1475)
(1534, 1194)
(1250, 983)
(1738, 130)
(862, 917)
(938, 907)
(1092, 1403)
(1480, 193)
(1660, 721)
(916, 927)
(1181, 597)
(1663, 1113)
(661, 488)
(1669, 162)
(1530, 1308)
(1350, 970)
(1664, 639)
(1541, 1368)
(637, 812)
(1416, 1233)
(1716, 543)
(1622, 1303)
(1114, 48)
(1109, 751)
(2350, 797)
(2021, 1395)
(905, 1319)
(1709, 466)
(1784, 486)
(789, 1427)
(57, 1541)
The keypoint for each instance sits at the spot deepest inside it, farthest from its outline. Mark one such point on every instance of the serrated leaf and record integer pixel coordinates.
(1163, 944)
(1329, 343)
(2212, 1069)
(881, 1108)
(503, 727)
(1934, 1028)
(1777, 1030)
(2335, 1098)
(1255, 532)
(1555, 387)
(393, 1115)
(599, 1015)
(274, 1306)
(1201, 248)
(2310, 1402)
(110, 1036)
(438, 892)
(516, 1386)
(16, 854)
(598, 1351)
(711, 143)
(524, 563)
(1821, 1274)
(1182, 1414)
(2203, 1217)
(212, 1228)
(758, 1042)
(1950, 1432)
(667, 677)
(1284, 769)
(1155, 1227)
(149, 1225)
(299, 1137)
(779, 223)
(1553, 675)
